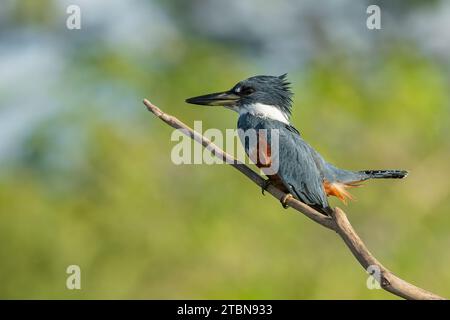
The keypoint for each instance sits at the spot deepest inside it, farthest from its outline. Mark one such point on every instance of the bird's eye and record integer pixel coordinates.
(245, 91)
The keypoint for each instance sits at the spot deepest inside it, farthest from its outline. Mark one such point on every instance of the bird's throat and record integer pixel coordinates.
(264, 111)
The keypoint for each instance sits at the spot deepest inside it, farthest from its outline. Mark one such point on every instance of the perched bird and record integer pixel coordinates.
(265, 102)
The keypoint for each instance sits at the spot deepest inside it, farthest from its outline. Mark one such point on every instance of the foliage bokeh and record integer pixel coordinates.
(89, 180)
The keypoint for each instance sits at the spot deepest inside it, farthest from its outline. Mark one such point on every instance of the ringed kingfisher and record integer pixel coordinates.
(265, 103)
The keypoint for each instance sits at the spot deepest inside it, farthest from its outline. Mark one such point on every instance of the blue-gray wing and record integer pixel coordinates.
(296, 163)
(299, 170)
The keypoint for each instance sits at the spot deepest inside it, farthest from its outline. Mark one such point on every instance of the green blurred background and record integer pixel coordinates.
(85, 171)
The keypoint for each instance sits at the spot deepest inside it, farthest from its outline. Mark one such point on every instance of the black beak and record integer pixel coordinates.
(226, 98)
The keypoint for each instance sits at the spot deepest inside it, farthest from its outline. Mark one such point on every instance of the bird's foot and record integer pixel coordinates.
(264, 186)
(285, 199)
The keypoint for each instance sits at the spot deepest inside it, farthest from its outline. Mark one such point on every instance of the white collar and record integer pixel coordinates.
(264, 111)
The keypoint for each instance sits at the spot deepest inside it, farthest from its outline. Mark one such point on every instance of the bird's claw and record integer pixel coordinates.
(285, 199)
(264, 186)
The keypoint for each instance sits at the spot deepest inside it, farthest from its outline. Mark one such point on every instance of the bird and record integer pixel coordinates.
(264, 103)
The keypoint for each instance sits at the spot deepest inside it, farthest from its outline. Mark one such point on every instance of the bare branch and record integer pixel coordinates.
(337, 222)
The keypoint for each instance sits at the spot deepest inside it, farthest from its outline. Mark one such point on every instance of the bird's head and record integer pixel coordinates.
(265, 96)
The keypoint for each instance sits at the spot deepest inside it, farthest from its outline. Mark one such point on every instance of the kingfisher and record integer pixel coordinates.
(265, 103)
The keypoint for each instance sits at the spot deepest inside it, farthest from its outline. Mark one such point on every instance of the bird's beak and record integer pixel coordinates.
(226, 98)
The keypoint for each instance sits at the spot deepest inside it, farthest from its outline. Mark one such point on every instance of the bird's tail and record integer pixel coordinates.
(384, 174)
(344, 179)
